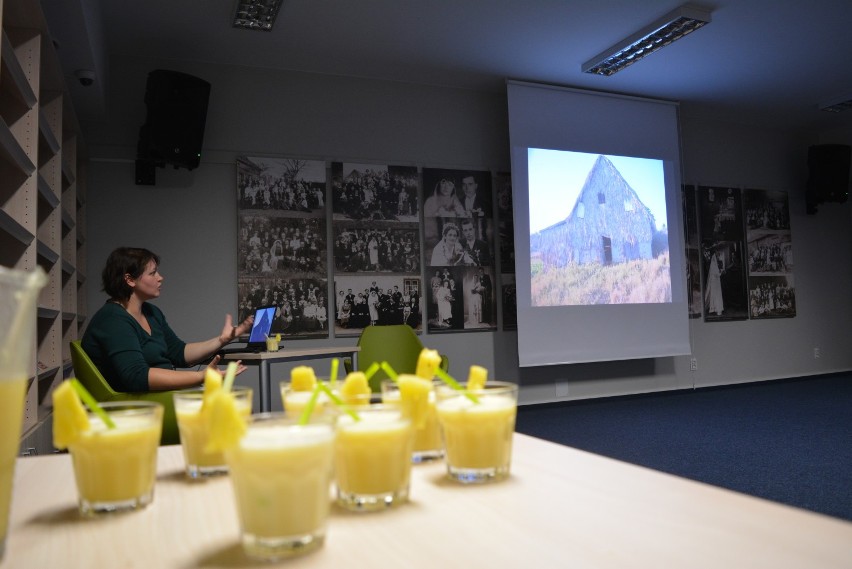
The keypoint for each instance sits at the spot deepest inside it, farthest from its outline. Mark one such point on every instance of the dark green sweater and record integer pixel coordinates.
(124, 352)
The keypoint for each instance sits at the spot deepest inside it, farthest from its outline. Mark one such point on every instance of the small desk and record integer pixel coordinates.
(266, 359)
(561, 507)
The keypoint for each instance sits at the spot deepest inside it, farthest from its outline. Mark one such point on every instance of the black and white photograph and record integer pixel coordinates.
(458, 228)
(381, 247)
(382, 300)
(510, 301)
(720, 213)
(374, 192)
(767, 210)
(725, 281)
(282, 242)
(772, 297)
(505, 222)
(693, 254)
(301, 304)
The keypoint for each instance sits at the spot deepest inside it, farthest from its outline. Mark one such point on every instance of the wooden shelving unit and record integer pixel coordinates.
(42, 198)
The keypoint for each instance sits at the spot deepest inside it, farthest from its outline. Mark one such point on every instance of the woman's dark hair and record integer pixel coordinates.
(125, 261)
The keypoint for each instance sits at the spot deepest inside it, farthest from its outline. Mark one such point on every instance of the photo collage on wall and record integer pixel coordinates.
(376, 246)
(281, 243)
(745, 253)
(458, 226)
(383, 227)
(771, 290)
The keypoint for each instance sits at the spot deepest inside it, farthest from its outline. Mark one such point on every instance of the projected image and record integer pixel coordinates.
(598, 230)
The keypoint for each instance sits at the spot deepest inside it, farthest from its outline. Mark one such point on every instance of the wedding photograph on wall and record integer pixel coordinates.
(376, 246)
(722, 253)
(281, 243)
(458, 225)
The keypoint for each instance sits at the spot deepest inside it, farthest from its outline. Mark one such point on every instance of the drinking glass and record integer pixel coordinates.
(192, 424)
(478, 435)
(281, 475)
(115, 468)
(427, 436)
(18, 295)
(372, 458)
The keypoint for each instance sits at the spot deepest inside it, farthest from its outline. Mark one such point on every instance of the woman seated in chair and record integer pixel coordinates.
(129, 340)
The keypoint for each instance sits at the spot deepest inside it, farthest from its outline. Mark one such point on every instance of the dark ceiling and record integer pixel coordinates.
(769, 62)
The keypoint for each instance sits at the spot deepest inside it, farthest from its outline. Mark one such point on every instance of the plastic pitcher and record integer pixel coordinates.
(18, 295)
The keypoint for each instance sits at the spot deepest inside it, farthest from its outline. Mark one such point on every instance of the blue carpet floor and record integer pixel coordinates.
(789, 441)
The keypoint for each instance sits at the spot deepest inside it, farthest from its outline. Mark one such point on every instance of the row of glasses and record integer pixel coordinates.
(281, 470)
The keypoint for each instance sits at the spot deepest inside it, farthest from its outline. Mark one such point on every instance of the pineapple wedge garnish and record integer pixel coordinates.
(427, 362)
(476, 378)
(225, 424)
(414, 398)
(302, 378)
(212, 385)
(355, 389)
(69, 416)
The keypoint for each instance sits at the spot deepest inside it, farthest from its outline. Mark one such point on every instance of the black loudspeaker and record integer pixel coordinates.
(828, 178)
(173, 132)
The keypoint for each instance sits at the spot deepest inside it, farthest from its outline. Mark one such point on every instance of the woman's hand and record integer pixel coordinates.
(214, 364)
(230, 332)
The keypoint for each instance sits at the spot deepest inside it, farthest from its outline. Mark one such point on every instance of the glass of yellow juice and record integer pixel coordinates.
(115, 468)
(192, 424)
(478, 434)
(18, 295)
(294, 401)
(281, 475)
(372, 458)
(427, 434)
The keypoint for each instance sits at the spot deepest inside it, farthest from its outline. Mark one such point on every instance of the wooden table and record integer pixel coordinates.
(561, 507)
(265, 360)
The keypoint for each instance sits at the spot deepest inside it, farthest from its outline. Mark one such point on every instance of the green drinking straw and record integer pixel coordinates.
(390, 371)
(371, 371)
(230, 375)
(455, 384)
(91, 403)
(333, 378)
(309, 408)
(339, 402)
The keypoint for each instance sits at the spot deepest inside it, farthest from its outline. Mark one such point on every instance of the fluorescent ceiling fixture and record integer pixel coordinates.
(256, 14)
(671, 27)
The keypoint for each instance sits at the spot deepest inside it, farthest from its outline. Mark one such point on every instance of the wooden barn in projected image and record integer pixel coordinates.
(608, 225)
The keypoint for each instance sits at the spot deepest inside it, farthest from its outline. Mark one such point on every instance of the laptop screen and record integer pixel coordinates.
(263, 316)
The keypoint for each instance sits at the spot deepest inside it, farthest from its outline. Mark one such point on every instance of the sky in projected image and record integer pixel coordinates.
(592, 237)
(556, 178)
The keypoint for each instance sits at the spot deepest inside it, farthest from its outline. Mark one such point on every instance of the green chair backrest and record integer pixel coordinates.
(397, 344)
(91, 378)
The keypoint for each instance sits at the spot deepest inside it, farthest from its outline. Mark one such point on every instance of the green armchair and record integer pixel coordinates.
(397, 344)
(91, 378)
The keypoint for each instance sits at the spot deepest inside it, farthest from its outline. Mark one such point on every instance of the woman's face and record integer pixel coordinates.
(451, 237)
(447, 188)
(147, 286)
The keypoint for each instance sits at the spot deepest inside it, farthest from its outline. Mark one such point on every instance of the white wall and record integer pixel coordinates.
(189, 218)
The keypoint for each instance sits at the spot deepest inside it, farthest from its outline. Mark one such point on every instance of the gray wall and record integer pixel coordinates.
(189, 218)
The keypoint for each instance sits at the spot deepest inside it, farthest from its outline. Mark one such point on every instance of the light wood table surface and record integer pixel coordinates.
(561, 507)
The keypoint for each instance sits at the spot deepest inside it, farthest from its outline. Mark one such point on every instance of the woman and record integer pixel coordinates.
(129, 340)
(448, 251)
(445, 306)
(443, 201)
